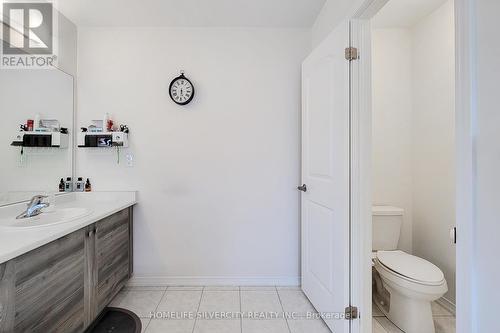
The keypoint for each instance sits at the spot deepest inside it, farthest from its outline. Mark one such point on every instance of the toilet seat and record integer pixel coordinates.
(411, 268)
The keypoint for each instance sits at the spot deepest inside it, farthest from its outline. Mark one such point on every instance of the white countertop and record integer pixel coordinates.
(14, 243)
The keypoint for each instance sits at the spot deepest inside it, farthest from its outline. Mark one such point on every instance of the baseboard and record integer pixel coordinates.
(213, 281)
(447, 304)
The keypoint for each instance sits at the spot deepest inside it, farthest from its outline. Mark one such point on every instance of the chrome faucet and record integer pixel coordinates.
(34, 207)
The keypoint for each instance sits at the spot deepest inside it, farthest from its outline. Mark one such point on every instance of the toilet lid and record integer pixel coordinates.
(412, 267)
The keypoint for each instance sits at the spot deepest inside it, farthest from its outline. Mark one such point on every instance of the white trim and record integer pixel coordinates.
(369, 9)
(213, 281)
(361, 199)
(448, 305)
(465, 113)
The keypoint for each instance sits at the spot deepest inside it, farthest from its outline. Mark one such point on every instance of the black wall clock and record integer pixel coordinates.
(181, 90)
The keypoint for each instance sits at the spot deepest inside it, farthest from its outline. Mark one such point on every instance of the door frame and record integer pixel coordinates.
(465, 127)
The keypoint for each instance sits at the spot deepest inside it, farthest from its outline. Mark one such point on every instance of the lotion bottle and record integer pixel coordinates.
(68, 185)
(105, 121)
(80, 184)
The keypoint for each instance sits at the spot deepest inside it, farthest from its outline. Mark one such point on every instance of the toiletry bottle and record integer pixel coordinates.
(109, 126)
(80, 184)
(105, 121)
(36, 124)
(62, 186)
(69, 185)
(88, 187)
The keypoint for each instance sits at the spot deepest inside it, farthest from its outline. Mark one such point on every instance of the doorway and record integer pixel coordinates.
(413, 166)
(363, 119)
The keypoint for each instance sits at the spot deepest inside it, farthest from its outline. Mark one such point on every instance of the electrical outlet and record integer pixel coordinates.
(130, 159)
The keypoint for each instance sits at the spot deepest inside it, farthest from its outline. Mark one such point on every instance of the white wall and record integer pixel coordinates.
(434, 141)
(217, 178)
(487, 152)
(392, 128)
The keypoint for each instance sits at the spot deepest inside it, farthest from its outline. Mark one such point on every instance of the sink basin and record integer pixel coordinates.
(45, 219)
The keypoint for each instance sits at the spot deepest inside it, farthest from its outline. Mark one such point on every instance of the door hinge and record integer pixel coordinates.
(351, 313)
(351, 53)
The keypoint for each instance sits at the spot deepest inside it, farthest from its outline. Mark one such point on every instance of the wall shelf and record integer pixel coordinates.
(102, 139)
(41, 139)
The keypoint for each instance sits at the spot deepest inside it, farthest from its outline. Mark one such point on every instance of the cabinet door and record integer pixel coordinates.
(112, 256)
(46, 288)
(90, 275)
(7, 296)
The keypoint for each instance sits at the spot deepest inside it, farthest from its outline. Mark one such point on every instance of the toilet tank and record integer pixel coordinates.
(387, 221)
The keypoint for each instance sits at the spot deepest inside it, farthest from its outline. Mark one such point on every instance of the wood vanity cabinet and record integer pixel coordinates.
(64, 285)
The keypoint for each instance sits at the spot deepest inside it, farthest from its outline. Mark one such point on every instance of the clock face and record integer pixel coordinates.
(181, 90)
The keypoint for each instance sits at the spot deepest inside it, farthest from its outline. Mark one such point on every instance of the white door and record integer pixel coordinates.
(325, 172)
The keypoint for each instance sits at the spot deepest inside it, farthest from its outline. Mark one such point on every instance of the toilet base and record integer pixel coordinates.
(410, 315)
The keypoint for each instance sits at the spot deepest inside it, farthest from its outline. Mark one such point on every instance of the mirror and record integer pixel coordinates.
(34, 160)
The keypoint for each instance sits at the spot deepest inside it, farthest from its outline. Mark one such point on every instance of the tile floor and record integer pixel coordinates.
(444, 321)
(174, 308)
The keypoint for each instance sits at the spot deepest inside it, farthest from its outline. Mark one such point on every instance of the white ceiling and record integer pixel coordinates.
(404, 13)
(192, 13)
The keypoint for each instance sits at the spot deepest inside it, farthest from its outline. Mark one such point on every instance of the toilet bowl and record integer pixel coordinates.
(411, 284)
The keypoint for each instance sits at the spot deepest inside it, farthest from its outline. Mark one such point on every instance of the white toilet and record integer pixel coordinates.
(404, 285)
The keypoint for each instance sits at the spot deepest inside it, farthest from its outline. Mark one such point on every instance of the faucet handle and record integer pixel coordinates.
(37, 199)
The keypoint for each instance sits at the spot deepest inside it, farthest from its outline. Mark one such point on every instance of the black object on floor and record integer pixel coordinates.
(116, 320)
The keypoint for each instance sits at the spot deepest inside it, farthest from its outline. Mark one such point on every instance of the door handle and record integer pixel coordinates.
(302, 188)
